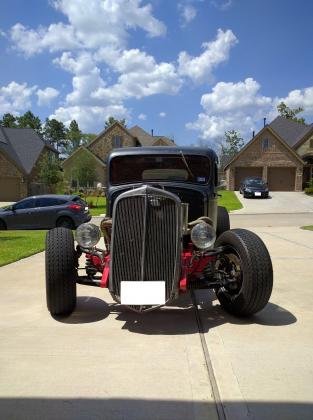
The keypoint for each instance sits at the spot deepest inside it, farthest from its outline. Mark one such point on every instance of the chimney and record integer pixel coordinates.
(253, 133)
(264, 120)
(152, 132)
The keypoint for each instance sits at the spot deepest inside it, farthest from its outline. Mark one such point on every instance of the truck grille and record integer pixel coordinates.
(145, 239)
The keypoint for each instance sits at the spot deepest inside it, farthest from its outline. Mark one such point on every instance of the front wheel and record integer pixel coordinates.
(61, 271)
(247, 273)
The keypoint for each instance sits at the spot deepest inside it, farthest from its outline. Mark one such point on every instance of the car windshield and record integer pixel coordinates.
(255, 183)
(177, 168)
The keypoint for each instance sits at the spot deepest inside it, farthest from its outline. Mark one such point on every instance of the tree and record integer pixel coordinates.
(29, 120)
(289, 113)
(8, 120)
(55, 132)
(87, 138)
(73, 137)
(231, 143)
(49, 170)
(84, 170)
(111, 120)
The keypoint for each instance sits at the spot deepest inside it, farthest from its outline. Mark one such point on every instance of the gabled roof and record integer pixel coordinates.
(274, 133)
(146, 139)
(89, 152)
(106, 130)
(23, 146)
(291, 131)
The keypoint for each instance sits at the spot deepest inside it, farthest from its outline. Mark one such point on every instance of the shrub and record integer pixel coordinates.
(309, 190)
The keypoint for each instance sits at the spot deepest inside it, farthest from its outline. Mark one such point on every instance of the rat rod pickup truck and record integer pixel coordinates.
(164, 235)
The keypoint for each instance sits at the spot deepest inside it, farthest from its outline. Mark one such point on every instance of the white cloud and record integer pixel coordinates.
(140, 76)
(45, 96)
(142, 117)
(222, 4)
(91, 25)
(228, 106)
(90, 118)
(16, 97)
(187, 13)
(300, 98)
(162, 114)
(200, 68)
(56, 37)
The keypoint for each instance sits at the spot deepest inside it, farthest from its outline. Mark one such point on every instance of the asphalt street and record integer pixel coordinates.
(105, 362)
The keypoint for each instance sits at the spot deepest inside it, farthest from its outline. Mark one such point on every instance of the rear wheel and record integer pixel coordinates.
(223, 223)
(246, 269)
(3, 226)
(65, 222)
(61, 271)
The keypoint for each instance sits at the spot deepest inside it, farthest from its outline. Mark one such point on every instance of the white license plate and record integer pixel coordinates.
(142, 292)
(257, 194)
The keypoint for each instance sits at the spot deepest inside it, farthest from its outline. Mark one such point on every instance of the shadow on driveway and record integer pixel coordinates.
(177, 318)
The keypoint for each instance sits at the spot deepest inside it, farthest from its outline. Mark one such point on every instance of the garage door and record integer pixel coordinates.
(281, 179)
(9, 189)
(242, 173)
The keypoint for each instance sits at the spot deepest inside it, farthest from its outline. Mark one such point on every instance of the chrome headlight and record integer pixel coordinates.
(203, 235)
(88, 235)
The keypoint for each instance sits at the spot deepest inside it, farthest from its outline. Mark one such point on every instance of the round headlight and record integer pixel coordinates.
(203, 236)
(88, 235)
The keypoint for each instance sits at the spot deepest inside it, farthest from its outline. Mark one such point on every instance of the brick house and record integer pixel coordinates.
(113, 137)
(281, 153)
(21, 152)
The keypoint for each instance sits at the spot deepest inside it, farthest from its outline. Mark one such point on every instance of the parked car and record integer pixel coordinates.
(45, 212)
(164, 235)
(254, 187)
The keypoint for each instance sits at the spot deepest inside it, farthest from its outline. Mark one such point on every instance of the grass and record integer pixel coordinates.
(97, 205)
(18, 244)
(310, 227)
(229, 200)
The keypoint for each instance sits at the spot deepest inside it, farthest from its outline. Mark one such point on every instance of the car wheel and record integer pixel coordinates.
(222, 224)
(65, 222)
(61, 271)
(247, 269)
(3, 226)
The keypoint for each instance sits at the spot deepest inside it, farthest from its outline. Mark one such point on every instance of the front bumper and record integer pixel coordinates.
(256, 194)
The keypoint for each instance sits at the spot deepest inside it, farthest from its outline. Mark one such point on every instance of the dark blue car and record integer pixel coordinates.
(254, 187)
(45, 212)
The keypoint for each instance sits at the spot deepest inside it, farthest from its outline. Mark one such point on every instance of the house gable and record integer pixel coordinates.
(258, 152)
(103, 144)
(305, 147)
(70, 163)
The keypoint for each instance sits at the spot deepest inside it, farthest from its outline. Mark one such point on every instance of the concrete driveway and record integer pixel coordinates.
(279, 202)
(104, 362)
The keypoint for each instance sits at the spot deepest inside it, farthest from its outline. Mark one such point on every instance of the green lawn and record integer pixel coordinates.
(229, 200)
(17, 244)
(98, 205)
(310, 227)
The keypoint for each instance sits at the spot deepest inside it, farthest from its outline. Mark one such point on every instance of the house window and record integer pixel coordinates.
(117, 142)
(265, 145)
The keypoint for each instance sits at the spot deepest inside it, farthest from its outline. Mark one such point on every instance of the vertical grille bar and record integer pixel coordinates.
(145, 239)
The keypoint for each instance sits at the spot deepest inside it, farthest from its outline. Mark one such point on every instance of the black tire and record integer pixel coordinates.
(222, 224)
(254, 282)
(61, 271)
(3, 226)
(65, 222)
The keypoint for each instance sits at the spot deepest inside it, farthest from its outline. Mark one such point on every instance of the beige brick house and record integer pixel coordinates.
(281, 153)
(21, 152)
(113, 137)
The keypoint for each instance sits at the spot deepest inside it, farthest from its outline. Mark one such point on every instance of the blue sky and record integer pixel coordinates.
(189, 69)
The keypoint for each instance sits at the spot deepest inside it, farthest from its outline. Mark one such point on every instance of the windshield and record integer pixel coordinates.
(255, 183)
(176, 168)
